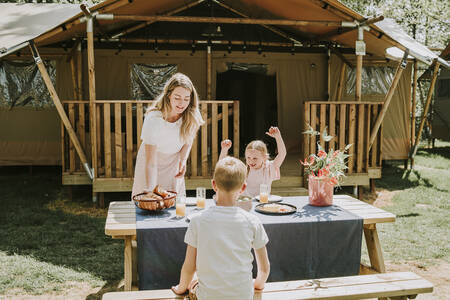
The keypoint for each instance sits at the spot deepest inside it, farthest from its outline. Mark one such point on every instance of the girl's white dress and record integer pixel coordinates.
(166, 137)
(266, 174)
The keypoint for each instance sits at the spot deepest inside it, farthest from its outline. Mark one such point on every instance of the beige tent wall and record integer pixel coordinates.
(112, 72)
(396, 124)
(300, 77)
(29, 137)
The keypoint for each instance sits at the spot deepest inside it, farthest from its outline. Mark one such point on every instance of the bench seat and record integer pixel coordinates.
(398, 285)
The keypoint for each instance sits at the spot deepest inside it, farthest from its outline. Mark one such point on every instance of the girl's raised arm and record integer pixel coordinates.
(225, 145)
(281, 148)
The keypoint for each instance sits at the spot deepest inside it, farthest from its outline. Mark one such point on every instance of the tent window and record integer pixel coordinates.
(147, 80)
(21, 84)
(375, 80)
(443, 89)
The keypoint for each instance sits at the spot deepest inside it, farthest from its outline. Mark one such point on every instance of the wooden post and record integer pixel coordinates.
(387, 100)
(413, 109)
(413, 104)
(60, 108)
(208, 72)
(329, 75)
(425, 111)
(236, 128)
(359, 60)
(341, 83)
(79, 57)
(360, 50)
(92, 107)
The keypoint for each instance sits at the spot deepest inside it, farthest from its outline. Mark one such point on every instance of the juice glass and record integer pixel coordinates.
(201, 197)
(180, 207)
(264, 193)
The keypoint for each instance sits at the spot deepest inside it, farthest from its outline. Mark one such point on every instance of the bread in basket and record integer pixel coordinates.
(158, 199)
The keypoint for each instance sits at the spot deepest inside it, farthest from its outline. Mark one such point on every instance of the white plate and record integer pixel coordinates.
(272, 198)
(191, 201)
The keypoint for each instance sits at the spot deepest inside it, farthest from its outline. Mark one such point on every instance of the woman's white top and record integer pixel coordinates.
(161, 133)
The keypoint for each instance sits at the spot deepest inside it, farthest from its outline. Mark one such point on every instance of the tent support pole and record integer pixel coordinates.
(425, 111)
(60, 108)
(413, 109)
(92, 106)
(387, 100)
(208, 72)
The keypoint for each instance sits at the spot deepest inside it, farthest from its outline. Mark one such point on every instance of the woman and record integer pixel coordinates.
(170, 126)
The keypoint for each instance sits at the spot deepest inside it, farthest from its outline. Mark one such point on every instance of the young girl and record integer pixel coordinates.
(170, 126)
(261, 170)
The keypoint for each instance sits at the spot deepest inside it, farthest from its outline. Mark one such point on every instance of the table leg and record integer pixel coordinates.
(127, 261)
(374, 249)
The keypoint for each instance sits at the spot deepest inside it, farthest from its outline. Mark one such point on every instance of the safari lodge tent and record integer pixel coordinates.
(75, 82)
(439, 120)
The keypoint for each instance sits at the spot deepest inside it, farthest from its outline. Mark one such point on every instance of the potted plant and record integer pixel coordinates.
(324, 170)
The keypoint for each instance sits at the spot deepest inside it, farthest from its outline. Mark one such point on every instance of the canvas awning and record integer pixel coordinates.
(20, 23)
(53, 23)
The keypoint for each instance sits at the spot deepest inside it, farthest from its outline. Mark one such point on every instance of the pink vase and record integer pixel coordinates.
(320, 191)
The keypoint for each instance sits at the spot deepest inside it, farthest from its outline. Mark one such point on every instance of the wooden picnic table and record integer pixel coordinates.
(121, 224)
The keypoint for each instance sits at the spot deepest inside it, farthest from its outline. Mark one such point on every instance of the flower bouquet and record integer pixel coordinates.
(324, 170)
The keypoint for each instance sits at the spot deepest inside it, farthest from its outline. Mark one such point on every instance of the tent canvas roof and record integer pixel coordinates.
(21, 22)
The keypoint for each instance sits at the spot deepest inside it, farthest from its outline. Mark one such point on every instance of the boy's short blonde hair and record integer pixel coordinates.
(230, 174)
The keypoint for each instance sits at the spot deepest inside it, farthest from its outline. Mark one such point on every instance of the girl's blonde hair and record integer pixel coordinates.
(192, 119)
(260, 146)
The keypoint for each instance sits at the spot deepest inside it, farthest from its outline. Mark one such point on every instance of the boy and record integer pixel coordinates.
(220, 242)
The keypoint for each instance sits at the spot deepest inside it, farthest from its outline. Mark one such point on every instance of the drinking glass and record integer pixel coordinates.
(201, 197)
(264, 191)
(180, 207)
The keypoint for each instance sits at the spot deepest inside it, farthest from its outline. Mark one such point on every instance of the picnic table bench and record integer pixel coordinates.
(398, 286)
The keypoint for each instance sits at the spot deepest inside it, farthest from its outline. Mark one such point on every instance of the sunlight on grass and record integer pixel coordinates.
(21, 273)
(76, 208)
(422, 227)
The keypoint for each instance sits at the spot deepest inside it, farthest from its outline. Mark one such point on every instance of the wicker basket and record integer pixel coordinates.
(154, 202)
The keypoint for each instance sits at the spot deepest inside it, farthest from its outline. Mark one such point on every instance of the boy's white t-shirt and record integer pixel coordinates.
(224, 237)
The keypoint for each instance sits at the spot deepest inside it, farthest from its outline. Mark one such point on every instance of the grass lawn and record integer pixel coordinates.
(50, 245)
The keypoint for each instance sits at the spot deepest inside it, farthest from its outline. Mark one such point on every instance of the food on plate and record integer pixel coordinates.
(276, 208)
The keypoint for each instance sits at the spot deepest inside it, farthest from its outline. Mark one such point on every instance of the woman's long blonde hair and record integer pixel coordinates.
(192, 119)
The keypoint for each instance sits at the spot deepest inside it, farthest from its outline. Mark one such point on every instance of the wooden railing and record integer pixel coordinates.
(349, 123)
(119, 124)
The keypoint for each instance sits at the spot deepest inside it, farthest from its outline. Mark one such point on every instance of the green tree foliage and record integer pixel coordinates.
(428, 21)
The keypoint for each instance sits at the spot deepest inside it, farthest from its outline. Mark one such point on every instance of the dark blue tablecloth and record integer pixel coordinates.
(315, 242)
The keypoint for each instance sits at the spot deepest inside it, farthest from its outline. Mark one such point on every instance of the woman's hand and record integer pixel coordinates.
(274, 132)
(181, 169)
(226, 144)
(179, 291)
